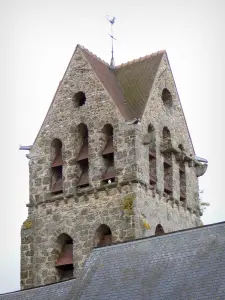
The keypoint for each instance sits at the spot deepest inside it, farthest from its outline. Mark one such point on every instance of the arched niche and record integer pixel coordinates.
(159, 230)
(103, 236)
(83, 155)
(108, 155)
(64, 262)
(167, 98)
(57, 166)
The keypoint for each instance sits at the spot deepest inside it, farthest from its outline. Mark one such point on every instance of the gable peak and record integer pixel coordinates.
(93, 55)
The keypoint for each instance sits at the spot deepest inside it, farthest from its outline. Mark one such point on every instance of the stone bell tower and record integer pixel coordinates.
(113, 161)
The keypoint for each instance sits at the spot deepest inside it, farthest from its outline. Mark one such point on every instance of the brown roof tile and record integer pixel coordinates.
(136, 79)
(129, 84)
(107, 76)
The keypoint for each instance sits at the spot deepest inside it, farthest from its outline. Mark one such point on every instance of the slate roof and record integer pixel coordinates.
(183, 265)
(57, 291)
(129, 84)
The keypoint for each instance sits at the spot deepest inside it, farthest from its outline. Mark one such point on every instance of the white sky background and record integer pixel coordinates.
(37, 41)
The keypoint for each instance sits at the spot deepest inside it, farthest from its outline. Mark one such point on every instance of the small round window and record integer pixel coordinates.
(79, 99)
(167, 98)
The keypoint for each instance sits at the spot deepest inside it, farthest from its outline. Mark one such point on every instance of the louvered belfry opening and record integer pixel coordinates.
(82, 158)
(103, 236)
(159, 230)
(182, 176)
(64, 263)
(57, 167)
(182, 182)
(108, 155)
(152, 156)
(167, 163)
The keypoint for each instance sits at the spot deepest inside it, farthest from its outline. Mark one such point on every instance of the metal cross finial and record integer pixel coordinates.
(112, 21)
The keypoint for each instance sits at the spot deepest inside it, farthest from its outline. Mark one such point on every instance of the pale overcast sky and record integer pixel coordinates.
(38, 38)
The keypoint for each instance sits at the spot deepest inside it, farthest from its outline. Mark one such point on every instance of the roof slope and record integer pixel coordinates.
(48, 292)
(107, 76)
(129, 85)
(136, 79)
(188, 264)
(183, 265)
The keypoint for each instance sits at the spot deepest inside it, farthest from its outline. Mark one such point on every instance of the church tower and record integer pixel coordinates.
(112, 162)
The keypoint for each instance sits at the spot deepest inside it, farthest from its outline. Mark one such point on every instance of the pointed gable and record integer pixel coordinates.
(107, 76)
(129, 85)
(136, 79)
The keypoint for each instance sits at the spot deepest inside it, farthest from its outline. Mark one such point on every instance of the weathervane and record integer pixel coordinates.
(112, 21)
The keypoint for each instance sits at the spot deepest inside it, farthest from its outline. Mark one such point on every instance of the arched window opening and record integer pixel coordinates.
(108, 130)
(159, 230)
(79, 99)
(57, 167)
(166, 142)
(64, 263)
(103, 236)
(182, 176)
(152, 155)
(167, 98)
(108, 155)
(82, 158)
(167, 164)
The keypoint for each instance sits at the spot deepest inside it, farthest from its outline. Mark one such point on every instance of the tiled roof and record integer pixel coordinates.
(183, 265)
(136, 79)
(107, 76)
(56, 291)
(129, 84)
(188, 264)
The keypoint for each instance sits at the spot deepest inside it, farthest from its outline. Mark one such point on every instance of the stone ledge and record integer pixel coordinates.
(94, 190)
(50, 198)
(85, 191)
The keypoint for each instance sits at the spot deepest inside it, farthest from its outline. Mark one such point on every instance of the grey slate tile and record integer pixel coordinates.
(185, 265)
(49, 292)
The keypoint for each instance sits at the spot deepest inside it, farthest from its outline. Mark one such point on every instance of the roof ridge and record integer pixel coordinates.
(94, 55)
(141, 58)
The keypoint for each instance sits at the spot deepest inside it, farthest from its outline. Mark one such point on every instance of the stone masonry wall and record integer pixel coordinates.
(158, 209)
(79, 217)
(62, 122)
(159, 116)
(120, 205)
(27, 254)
